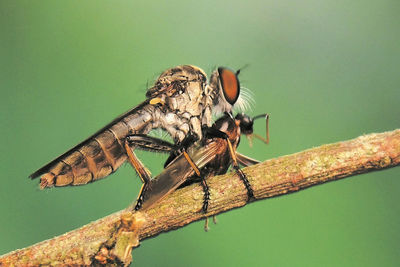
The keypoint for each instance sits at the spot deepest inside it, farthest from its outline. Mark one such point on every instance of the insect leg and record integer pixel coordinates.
(206, 228)
(206, 189)
(146, 142)
(154, 144)
(219, 134)
(141, 170)
(215, 221)
(235, 165)
(245, 160)
(265, 140)
(150, 143)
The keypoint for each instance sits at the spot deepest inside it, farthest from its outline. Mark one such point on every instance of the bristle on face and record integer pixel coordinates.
(245, 101)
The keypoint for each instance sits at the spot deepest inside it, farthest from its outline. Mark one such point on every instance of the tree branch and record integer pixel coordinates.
(110, 239)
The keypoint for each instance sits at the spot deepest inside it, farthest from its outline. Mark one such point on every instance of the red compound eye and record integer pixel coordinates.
(230, 84)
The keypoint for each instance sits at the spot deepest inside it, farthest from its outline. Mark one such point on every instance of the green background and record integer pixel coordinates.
(326, 71)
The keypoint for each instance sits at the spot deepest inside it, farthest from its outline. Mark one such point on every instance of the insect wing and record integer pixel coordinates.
(245, 160)
(103, 152)
(176, 173)
(49, 165)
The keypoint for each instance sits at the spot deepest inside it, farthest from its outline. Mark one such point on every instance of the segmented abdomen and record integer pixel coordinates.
(96, 157)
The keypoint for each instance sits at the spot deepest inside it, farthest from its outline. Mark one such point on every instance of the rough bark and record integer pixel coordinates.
(109, 240)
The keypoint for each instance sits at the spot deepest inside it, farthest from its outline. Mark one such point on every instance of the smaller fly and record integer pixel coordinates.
(213, 156)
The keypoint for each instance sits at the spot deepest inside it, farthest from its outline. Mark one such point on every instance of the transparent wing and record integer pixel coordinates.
(245, 160)
(52, 163)
(176, 173)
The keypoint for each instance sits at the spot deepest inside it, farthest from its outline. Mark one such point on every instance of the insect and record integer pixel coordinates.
(181, 102)
(212, 156)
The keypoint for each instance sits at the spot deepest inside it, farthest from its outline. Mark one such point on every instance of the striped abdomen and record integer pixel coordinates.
(98, 156)
(179, 103)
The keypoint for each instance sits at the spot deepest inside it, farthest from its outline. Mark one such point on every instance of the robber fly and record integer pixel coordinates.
(181, 102)
(212, 156)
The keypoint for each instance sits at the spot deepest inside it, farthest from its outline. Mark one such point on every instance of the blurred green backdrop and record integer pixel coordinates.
(326, 71)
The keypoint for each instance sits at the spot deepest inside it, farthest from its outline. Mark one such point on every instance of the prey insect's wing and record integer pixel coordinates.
(177, 172)
(245, 160)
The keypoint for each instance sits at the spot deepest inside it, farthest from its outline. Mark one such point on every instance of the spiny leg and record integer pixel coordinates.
(143, 173)
(205, 188)
(206, 191)
(158, 145)
(212, 132)
(203, 181)
(242, 176)
(149, 143)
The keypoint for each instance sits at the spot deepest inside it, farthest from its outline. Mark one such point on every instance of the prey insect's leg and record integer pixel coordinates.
(203, 181)
(265, 140)
(219, 134)
(143, 173)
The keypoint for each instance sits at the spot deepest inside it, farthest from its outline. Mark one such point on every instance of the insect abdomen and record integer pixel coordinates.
(98, 157)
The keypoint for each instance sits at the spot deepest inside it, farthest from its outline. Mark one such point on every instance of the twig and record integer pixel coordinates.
(109, 240)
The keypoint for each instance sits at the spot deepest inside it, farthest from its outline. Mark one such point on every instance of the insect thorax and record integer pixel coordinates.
(182, 101)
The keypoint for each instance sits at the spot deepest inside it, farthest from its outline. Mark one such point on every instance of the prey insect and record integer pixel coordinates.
(212, 156)
(181, 102)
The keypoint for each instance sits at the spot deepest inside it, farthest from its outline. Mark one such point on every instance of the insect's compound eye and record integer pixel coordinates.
(230, 84)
